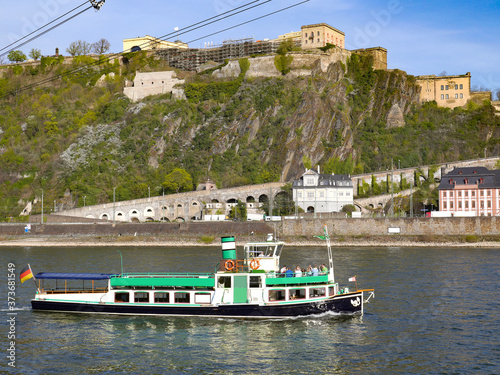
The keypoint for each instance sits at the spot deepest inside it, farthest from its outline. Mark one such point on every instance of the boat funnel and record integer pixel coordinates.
(228, 247)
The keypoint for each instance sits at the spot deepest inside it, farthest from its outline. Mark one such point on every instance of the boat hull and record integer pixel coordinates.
(351, 303)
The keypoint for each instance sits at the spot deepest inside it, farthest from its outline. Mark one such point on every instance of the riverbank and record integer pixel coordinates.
(192, 241)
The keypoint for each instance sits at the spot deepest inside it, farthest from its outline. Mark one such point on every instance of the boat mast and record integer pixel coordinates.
(330, 256)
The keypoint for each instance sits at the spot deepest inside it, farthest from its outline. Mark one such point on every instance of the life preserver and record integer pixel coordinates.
(255, 264)
(229, 265)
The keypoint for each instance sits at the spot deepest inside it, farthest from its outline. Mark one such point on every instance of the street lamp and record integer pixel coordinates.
(399, 164)
(84, 200)
(149, 192)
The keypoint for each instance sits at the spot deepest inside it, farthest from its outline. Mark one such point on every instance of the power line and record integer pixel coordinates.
(24, 37)
(46, 31)
(97, 62)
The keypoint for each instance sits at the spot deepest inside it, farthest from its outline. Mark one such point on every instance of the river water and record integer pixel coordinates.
(436, 312)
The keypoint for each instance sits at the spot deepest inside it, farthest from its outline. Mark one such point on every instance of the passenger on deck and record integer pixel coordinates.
(309, 270)
(298, 272)
(283, 269)
(324, 270)
(315, 271)
(288, 273)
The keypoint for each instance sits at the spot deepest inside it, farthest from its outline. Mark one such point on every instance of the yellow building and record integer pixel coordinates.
(148, 43)
(296, 36)
(447, 91)
(318, 35)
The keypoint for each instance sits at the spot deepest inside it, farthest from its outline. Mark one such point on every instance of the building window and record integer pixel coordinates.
(481, 193)
(482, 204)
(456, 96)
(459, 205)
(310, 181)
(444, 194)
(467, 204)
(451, 205)
(466, 193)
(473, 193)
(461, 96)
(461, 86)
(459, 193)
(299, 194)
(321, 194)
(489, 204)
(447, 87)
(445, 205)
(488, 193)
(473, 204)
(306, 35)
(318, 40)
(456, 87)
(318, 33)
(442, 87)
(310, 194)
(442, 96)
(447, 96)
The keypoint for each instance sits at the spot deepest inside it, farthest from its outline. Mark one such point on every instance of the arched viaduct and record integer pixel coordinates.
(181, 207)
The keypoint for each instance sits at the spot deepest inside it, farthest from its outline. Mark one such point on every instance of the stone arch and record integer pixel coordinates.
(250, 199)
(214, 201)
(90, 216)
(194, 204)
(149, 219)
(232, 200)
(135, 49)
(180, 219)
(371, 206)
(134, 220)
(164, 219)
(104, 216)
(120, 216)
(310, 209)
(263, 198)
(149, 212)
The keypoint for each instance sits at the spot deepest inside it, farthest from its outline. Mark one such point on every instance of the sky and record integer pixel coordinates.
(422, 37)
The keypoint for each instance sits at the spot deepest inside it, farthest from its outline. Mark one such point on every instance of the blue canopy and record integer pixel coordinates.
(72, 276)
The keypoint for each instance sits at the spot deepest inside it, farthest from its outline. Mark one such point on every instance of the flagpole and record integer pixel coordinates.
(34, 278)
(356, 281)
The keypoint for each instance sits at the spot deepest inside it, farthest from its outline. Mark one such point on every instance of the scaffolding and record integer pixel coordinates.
(192, 58)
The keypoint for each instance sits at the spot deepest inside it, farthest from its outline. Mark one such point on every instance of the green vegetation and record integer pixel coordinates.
(76, 139)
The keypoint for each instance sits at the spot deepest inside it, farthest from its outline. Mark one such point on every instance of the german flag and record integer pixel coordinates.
(25, 274)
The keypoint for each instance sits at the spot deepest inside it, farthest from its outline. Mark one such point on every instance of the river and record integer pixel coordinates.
(435, 312)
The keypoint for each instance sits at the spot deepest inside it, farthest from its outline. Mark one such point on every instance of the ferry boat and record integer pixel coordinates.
(250, 287)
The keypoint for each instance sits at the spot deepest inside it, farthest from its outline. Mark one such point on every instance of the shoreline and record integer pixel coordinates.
(194, 242)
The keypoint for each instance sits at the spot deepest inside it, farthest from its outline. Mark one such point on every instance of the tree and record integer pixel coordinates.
(177, 181)
(35, 54)
(79, 48)
(101, 47)
(16, 56)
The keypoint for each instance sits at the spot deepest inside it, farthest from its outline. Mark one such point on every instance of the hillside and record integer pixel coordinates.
(78, 136)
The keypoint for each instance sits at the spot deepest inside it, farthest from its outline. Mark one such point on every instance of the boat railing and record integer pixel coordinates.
(165, 275)
(72, 290)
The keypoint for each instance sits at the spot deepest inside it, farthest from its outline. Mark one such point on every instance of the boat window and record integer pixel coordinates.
(277, 295)
(255, 282)
(202, 298)
(162, 297)
(181, 297)
(224, 282)
(331, 290)
(297, 293)
(317, 292)
(279, 248)
(141, 297)
(121, 297)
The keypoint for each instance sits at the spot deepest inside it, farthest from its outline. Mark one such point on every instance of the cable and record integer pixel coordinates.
(252, 20)
(46, 31)
(65, 14)
(97, 62)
